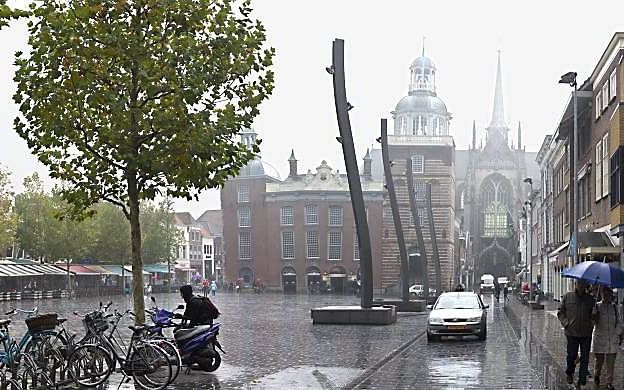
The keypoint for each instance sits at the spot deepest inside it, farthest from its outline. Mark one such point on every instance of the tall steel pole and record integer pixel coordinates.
(396, 216)
(434, 240)
(574, 202)
(530, 244)
(353, 175)
(419, 235)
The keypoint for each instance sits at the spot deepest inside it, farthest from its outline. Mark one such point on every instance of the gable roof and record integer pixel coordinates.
(212, 220)
(183, 218)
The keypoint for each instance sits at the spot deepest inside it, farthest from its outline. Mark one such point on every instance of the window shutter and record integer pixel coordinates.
(605, 165)
(598, 165)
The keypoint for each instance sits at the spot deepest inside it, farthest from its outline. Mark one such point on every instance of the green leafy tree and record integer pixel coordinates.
(159, 236)
(8, 218)
(7, 13)
(33, 210)
(110, 235)
(124, 100)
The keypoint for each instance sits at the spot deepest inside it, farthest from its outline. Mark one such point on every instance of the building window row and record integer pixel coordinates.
(242, 191)
(287, 216)
(244, 216)
(606, 94)
(288, 244)
(418, 164)
(334, 247)
(602, 168)
(244, 245)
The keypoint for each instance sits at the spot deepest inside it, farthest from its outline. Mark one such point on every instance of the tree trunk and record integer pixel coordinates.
(137, 262)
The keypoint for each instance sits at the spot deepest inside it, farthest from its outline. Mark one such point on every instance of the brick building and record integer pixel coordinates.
(294, 232)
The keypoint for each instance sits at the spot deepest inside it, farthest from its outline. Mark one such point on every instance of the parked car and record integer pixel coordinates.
(457, 314)
(416, 289)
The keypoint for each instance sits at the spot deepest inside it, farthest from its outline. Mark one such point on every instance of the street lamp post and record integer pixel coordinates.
(529, 204)
(570, 79)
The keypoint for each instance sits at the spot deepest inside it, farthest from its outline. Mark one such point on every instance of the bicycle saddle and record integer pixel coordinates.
(61, 320)
(138, 328)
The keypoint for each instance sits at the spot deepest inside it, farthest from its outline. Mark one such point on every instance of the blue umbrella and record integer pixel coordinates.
(596, 272)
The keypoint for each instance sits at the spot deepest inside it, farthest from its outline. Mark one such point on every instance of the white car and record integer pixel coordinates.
(457, 314)
(416, 289)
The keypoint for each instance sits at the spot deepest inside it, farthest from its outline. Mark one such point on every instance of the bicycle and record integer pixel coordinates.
(31, 350)
(92, 364)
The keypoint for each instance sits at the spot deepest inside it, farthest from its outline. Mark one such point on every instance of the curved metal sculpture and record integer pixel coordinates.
(396, 217)
(419, 234)
(353, 175)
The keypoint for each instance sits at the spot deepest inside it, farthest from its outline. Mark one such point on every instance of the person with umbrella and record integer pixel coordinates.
(575, 314)
(607, 335)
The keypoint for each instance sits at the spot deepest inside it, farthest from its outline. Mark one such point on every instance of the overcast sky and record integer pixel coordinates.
(539, 41)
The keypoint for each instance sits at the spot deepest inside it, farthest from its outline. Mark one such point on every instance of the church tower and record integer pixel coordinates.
(491, 185)
(421, 138)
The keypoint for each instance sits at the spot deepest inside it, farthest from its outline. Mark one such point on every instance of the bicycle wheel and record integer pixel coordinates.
(172, 353)
(150, 367)
(90, 365)
(46, 352)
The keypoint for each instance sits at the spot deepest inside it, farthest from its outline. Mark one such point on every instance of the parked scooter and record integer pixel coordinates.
(197, 344)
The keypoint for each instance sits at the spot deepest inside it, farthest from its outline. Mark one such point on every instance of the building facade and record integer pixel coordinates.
(297, 234)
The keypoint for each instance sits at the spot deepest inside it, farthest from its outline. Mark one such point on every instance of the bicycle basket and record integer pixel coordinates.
(42, 322)
(95, 322)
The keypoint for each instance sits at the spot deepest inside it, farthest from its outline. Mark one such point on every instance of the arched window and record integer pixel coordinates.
(496, 197)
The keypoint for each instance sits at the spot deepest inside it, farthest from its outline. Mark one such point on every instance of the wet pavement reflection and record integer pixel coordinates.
(269, 339)
(499, 362)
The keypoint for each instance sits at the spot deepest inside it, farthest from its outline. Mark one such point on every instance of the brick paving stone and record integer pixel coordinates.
(499, 362)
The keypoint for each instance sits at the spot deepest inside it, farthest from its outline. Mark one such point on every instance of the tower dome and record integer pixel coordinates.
(421, 112)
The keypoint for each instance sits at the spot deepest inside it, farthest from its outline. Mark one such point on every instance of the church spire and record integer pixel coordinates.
(498, 112)
(519, 136)
(474, 135)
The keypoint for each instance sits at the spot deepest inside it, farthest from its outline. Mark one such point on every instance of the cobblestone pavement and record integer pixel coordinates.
(270, 340)
(542, 336)
(499, 362)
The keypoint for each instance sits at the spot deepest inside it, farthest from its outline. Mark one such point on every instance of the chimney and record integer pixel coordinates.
(292, 162)
(368, 161)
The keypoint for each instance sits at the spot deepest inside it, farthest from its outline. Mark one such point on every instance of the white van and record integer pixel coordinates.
(487, 283)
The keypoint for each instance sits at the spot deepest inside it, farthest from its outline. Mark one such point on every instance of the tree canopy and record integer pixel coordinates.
(8, 219)
(124, 100)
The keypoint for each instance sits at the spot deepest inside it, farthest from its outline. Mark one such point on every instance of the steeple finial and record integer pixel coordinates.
(519, 136)
(292, 155)
(423, 47)
(498, 112)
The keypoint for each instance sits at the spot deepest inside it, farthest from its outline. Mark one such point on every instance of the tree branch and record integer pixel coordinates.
(96, 153)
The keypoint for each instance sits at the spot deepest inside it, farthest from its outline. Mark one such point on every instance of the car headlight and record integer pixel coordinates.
(435, 320)
(474, 319)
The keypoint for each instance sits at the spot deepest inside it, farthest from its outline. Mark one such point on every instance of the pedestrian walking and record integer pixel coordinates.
(205, 286)
(505, 294)
(607, 336)
(213, 288)
(575, 314)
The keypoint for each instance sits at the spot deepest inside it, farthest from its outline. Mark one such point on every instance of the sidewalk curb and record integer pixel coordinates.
(369, 372)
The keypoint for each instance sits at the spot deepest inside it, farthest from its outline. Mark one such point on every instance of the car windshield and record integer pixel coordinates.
(457, 302)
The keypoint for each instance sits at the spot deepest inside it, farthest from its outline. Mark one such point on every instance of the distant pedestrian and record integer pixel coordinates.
(575, 314)
(505, 293)
(607, 335)
(213, 288)
(205, 286)
(496, 290)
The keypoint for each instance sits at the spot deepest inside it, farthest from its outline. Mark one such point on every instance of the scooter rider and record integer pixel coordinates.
(194, 311)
